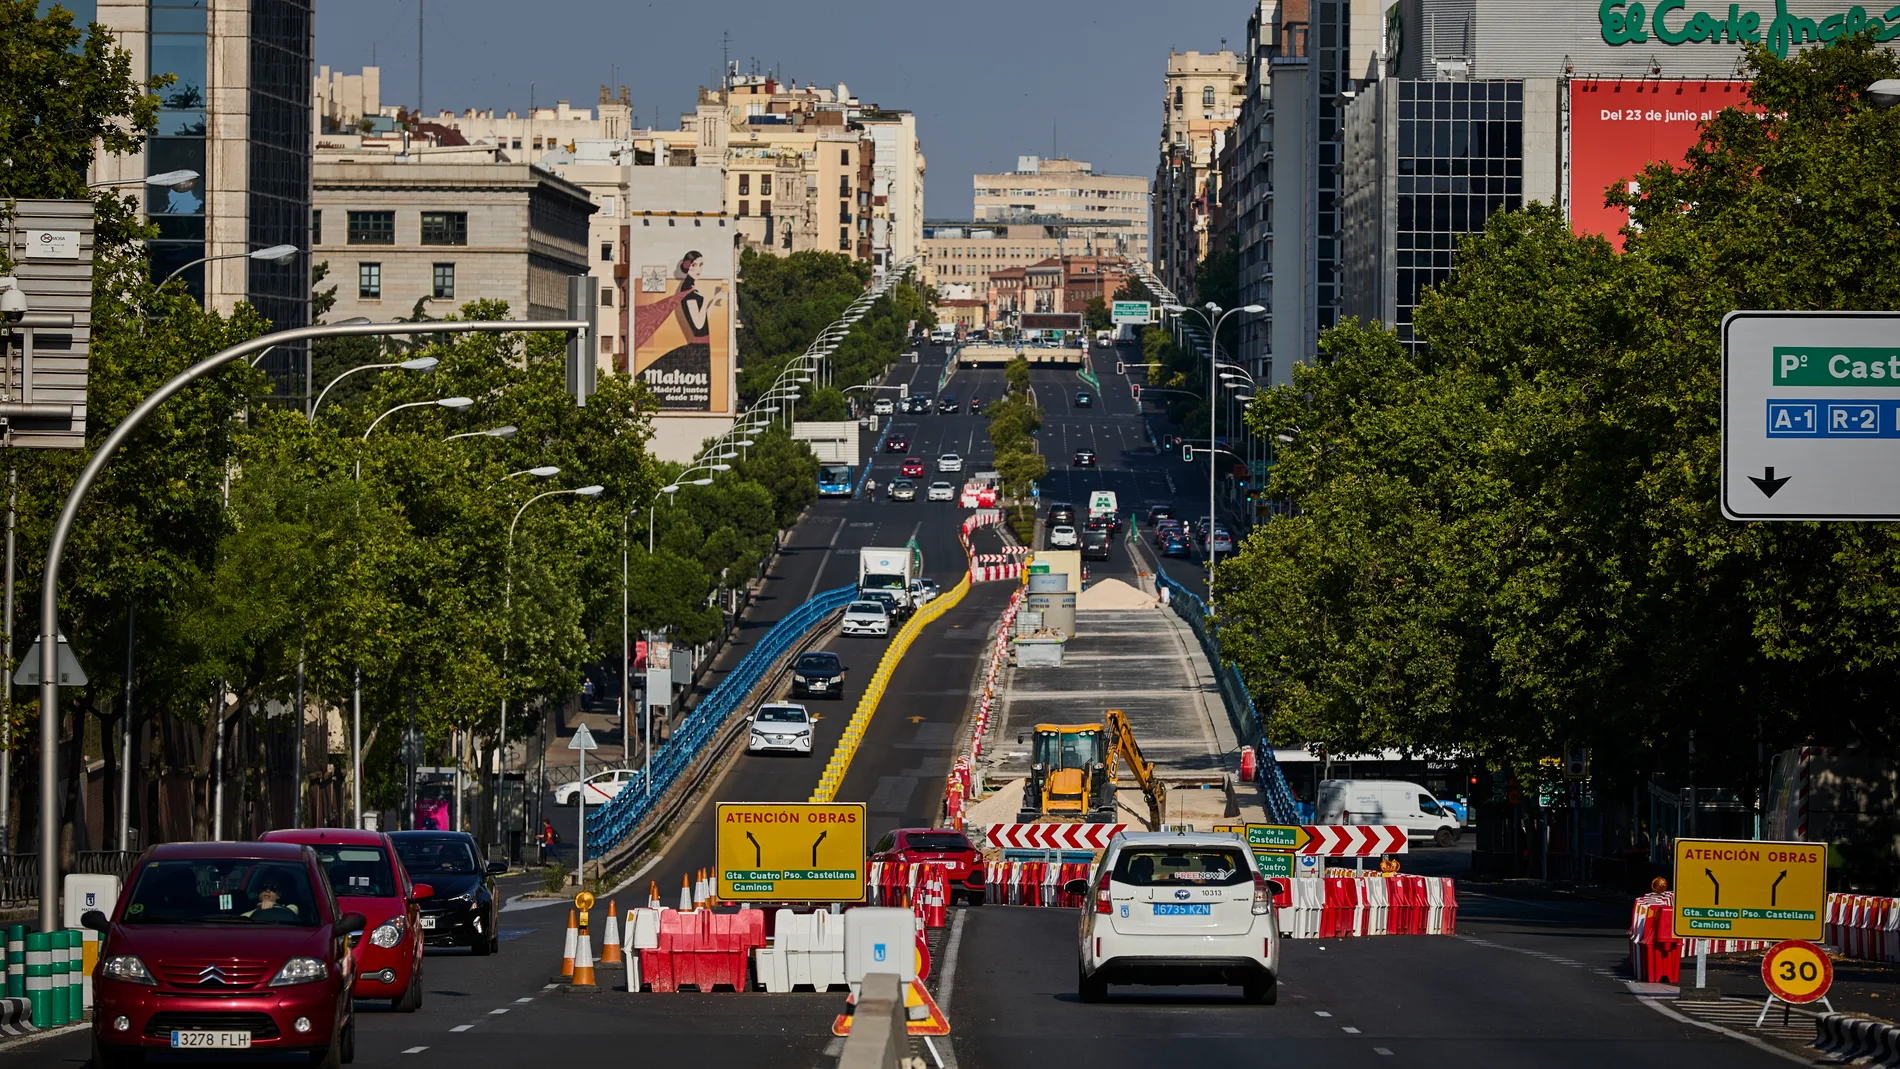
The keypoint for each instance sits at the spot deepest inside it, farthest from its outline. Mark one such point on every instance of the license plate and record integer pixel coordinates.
(196, 1040)
(428, 922)
(1184, 909)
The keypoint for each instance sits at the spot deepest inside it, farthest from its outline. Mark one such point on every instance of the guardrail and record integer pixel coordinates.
(1233, 691)
(620, 817)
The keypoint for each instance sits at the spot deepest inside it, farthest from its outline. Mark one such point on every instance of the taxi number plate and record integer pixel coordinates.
(1183, 909)
(196, 1040)
(428, 922)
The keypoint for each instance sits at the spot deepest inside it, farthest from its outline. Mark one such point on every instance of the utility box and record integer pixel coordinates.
(879, 939)
(84, 891)
(45, 358)
(831, 441)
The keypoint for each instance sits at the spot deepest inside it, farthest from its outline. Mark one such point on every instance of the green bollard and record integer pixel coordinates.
(39, 977)
(16, 961)
(62, 963)
(75, 974)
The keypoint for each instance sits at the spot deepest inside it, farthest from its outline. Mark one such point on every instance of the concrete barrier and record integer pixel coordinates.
(880, 1031)
(1851, 1039)
(16, 1016)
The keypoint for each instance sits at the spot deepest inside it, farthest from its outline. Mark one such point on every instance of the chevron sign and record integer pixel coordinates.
(1354, 840)
(1052, 836)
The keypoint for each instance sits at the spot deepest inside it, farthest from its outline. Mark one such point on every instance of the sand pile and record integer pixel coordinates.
(1112, 594)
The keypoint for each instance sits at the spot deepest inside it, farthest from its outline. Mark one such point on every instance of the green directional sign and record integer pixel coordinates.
(1274, 864)
(1129, 312)
(1276, 836)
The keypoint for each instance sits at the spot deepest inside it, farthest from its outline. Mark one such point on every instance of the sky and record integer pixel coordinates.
(989, 80)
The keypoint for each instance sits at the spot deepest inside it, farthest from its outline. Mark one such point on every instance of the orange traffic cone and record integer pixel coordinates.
(686, 895)
(584, 961)
(653, 894)
(610, 939)
(567, 952)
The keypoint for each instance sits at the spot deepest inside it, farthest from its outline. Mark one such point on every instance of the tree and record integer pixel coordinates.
(1016, 376)
(1096, 315)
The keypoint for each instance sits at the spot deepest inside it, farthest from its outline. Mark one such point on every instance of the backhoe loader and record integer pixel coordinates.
(1075, 770)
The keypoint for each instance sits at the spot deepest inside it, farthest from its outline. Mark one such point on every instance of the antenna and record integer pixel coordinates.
(725, 59)
(419, 4)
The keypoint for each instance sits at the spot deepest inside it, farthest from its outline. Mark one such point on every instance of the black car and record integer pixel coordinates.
(1061, 512)
(1095, 543)
(918, 403)
(1084, 400)
(464, 910)
(1157, 513)
(948, 404)
(818, 674)
(1085, 458)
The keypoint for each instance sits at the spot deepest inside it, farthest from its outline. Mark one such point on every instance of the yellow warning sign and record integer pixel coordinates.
(1744, 889)
(790, 851)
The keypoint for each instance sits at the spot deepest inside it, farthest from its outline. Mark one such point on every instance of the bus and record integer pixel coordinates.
(834, 480)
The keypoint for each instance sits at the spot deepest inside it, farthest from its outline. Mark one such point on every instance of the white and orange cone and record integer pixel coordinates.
(653, 894)
(610, 939)
(567, 951)
(584, 961)
(686, 895)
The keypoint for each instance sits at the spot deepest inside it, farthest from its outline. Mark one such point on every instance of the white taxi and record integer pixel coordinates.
(1171, 908)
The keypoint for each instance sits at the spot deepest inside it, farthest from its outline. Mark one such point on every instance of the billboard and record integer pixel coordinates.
(1129, 312)
(1618, 127)
(682, 334)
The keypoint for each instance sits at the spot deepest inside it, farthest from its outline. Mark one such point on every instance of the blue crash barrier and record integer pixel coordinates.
(611, 823)
(1233, 691)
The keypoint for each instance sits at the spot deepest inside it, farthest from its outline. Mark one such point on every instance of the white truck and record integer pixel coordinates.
(887, 570)
(1379, 801)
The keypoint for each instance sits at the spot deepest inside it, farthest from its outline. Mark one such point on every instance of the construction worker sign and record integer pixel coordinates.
(790, 851)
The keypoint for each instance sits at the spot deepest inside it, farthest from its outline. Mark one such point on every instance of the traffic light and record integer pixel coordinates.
(1121, 367)
(1137, 388)
(1187, 453)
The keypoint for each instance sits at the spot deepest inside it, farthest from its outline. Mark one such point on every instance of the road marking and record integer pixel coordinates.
(504, 1009)
(521, 1000)
(461, 1028)
(415, 1050)
(1382, 1050)
(1349, 1030)
(550, 987)
(1659, 1007)
(1321, 1013)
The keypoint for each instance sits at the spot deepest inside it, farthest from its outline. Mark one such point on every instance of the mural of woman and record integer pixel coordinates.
(683, 375)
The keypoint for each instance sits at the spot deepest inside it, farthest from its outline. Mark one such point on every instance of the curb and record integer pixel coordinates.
(1853, 1038)
(16, 1017)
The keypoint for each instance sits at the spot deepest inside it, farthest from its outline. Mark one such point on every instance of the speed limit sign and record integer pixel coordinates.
(1797, 971)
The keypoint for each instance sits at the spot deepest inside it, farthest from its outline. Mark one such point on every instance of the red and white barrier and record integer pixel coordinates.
(1354, 840)
(699, 949)
(1864, 926)
(1369, 905)
(961, 787)
(1052, 836)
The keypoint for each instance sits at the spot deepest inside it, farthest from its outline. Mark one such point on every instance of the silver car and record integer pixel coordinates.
(866, 618)
(949, 462)
(784, 727)
(941, 491)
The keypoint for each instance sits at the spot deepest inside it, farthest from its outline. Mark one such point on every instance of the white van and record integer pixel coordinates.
(1386, 801)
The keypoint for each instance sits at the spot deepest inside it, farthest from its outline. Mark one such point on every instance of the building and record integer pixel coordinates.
(239, 114)
(1199, 104)
(1071, 190)
(398, 232)
(897, 195)
(963, 252)
(1055, 284)
(345, 101)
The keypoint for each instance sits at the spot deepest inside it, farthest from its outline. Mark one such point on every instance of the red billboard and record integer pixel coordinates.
(1619, 127)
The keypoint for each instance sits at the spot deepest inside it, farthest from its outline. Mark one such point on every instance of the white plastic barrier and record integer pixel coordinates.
(641, 932)
(1301, 919)
(807, 948)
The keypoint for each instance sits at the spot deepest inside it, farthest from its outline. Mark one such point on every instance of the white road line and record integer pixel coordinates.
(492, 1013)
(550, 987)
(1321, 1013)
(1382, 1050)
(1659, 1007)
(415, 1050)
(947, 984)
(1350, 1030)
(521, 1000)
(461, 1028)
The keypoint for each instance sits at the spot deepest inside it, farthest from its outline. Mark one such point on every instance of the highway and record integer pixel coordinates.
(1534, 979)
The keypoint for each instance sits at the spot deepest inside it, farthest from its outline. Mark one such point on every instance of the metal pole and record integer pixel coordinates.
(296, 759)
(49, 881)
(356, 743)
(6, 727)
(125, 735)
(580, 834)
(626, 660)
(217, 770)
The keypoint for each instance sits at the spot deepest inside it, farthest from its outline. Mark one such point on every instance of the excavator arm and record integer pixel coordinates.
(1122, 746)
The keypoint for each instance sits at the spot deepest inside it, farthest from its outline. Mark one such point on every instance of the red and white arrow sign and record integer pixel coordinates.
(1052, 836)
(1354, 840)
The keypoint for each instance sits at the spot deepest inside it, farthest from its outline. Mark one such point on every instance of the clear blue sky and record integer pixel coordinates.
(988, 79)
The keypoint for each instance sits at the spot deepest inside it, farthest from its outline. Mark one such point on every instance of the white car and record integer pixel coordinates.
(949, 462)
(1062, 536)
(1178, 908)
(941, 491)
(923, 591)
(600, 787)
(783, 727)
(884, 406)
(867, 618)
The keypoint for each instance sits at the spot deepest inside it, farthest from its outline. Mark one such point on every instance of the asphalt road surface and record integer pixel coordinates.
(1532, 978)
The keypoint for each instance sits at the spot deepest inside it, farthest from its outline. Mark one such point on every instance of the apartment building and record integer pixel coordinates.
(1071, 191)
(239, 114)
(351, 104)
(1199, 105)
(972, 252)
(1055, 284)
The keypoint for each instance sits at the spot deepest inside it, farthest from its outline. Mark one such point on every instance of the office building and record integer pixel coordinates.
(964, 252)
(239, 113)
(1108, 211)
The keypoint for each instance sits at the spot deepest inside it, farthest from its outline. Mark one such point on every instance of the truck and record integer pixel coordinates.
(1376, 801)
(834, 480)
(888, 570)
(1077, 768)
(1103, 503)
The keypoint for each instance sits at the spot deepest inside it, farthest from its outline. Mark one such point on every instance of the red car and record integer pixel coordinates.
(225, 948)
(369, 878)
(911, 468)
(949, 846)
(896, 443)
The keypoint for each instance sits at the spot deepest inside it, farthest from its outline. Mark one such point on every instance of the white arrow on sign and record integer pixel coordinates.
(70, 674)
(583, 740)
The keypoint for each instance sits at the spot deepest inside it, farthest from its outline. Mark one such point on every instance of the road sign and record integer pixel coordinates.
(1277, 836)
(1576, 761)
(1797, 971)
(1129, 312)
(1354, 840)
(790, 851)
(583, 739)
(1274, 863)
(70, 674)
(1052, 836)
(1744, 889)
(1810, 415)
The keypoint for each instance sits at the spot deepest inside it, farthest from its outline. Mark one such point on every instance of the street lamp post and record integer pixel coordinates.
(176, 180)
(49, 875)
(546, 471)
(275, 254)
(1214, 317)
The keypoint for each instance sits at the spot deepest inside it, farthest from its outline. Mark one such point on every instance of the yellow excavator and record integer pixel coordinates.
(1075, 770)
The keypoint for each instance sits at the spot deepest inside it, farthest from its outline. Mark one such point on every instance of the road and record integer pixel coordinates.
(1531, 979)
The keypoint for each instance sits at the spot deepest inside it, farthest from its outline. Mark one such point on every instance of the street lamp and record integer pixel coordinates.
(1214, 317)
(546, 471)
(507, 631)
(179, 181)
(420, 363)
(275, 254)
(1884, 93)
(492, 432)
(453, 404)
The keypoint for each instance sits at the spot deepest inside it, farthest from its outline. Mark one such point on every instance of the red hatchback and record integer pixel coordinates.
(368, 878)
(911, 467)
(225, 949)
(947, 846)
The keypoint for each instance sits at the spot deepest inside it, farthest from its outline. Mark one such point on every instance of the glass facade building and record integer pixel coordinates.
(177, 43)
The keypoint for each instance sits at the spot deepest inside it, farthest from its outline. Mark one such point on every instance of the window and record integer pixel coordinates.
(517, 143)
(1177, 103)
(607, 297)
(844, 186)
(316, 227)
(609, 207)
(745, 208)
(745, 185)
(844, 156)
(445, 228)
(444, 278)
(765, 184)
(369, 282)
(606, 251)
(765, 207)
(607, 344)
(844, 238)
(1207, 96)
(372, 228)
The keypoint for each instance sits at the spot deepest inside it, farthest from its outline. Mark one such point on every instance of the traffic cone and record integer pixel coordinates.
(686, 895)
(653, 894)
(584, 962)
(567, 951)
(610, 939)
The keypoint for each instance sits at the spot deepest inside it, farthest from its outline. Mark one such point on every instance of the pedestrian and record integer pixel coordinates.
(548, 840)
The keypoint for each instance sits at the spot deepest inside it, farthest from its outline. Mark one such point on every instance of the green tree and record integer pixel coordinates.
(1096, 315)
